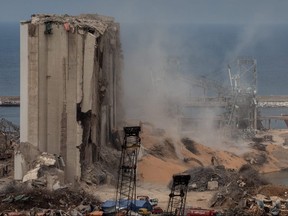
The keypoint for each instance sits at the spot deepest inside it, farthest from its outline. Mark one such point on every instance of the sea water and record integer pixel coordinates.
(9, 68)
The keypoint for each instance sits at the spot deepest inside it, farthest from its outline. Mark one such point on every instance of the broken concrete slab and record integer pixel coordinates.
(31, 174)
(46, 159)
(212, 185)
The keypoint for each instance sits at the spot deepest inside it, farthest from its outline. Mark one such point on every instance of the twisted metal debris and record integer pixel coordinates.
(10, 130)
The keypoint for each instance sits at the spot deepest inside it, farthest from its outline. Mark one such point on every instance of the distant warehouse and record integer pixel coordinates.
(70, 83)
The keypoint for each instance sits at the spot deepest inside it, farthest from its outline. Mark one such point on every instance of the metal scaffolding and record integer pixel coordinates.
(177, 196)
(242, 108)
(126, 187)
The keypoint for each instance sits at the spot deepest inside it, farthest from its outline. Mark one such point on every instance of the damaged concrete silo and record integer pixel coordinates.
(70, 86)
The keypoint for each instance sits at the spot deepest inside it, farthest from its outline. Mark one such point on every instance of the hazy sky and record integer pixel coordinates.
(161, 11)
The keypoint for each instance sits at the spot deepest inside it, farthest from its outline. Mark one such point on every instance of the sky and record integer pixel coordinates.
(155, 11)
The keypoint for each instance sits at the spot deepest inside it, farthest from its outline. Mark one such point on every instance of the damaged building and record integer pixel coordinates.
(70, 86)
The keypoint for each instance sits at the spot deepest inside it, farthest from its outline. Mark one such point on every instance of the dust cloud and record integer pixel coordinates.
(162, 66)
(152, 91)
(157, 84)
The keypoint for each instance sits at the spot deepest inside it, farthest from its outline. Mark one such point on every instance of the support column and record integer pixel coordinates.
(24, 82)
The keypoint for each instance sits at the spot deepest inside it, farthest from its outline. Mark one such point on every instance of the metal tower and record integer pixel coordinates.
(244, 88)
(177, 197)
(245, 79)
(126, 186)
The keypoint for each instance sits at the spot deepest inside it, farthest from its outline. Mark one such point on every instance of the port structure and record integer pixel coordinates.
(236, 105)
(178, 194)
(126, 186)
(242, 108)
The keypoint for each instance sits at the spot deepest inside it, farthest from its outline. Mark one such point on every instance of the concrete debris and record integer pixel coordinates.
(193, 186)
(85, 21)
(258, 146)
(232, 185)
(46, 159)
(257, 139)
(31, 174)
(212, 185)
(258, 207)
(268, 138)
(43, 202)
(39, 183)
(46, 174)
(256, 159)
(242, 198)
(202, 175)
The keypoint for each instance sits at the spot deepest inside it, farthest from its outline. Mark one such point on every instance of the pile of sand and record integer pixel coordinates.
(162, 156)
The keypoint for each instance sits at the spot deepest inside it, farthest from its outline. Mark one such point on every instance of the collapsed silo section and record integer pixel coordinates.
(70, 86)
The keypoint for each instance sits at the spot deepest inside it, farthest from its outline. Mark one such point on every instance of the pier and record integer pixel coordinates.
(8, 101)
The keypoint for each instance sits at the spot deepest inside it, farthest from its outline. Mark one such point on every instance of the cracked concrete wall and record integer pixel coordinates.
(69, 81)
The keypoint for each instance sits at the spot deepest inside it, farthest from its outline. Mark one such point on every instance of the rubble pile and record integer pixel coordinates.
(233, 185)
(237, 191)
(9, 136)
(104, 171)
(239, 186)
(256, 158)
(18, 197)
(200, 176)
(45, 172)
(268, 200)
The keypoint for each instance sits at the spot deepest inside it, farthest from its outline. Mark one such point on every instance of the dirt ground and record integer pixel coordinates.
(154, 190)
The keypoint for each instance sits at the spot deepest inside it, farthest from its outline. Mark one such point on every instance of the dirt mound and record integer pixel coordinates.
(166, 156)
(164, 149)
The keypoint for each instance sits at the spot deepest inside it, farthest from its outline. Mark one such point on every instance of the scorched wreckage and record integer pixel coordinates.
(70, 83)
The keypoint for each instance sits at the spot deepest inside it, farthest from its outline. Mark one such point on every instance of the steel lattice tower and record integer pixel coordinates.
(247, 67)
(126, 187)
(177, 197)
(244, 88)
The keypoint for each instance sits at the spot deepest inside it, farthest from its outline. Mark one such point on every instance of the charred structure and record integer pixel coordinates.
(70, 87)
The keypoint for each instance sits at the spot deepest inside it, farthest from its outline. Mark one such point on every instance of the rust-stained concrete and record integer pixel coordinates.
(70, 87)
